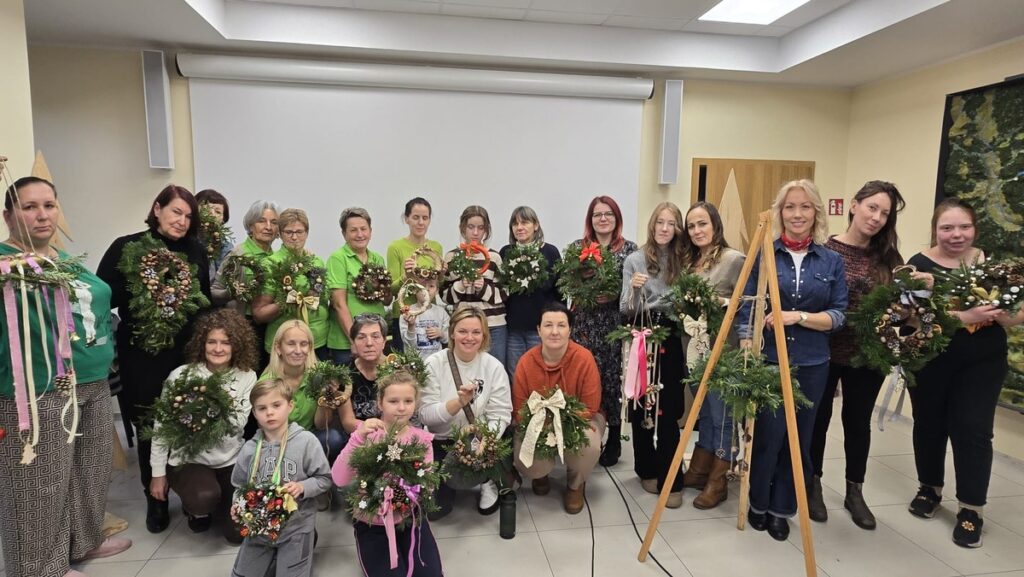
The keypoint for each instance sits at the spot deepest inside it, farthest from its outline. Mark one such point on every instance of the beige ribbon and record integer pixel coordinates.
(305, 303)
(700, 341)
(539, 406)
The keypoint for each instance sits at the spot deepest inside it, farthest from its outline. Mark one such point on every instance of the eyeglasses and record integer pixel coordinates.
(600, 215)
(293, 232)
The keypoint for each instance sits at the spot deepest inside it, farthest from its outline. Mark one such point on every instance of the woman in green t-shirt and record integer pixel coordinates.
(400, 255)
(342, 268)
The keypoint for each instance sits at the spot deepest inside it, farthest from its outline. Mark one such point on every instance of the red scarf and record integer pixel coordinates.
(796, 245)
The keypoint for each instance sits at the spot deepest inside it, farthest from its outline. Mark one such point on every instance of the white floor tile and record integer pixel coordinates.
(493, 556)
(209, 566)
(1008, 512)
(606, 504)
(614, 551)
(465, 520)
(120, 569)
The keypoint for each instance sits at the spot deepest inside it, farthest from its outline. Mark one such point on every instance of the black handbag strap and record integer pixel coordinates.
(468, 409)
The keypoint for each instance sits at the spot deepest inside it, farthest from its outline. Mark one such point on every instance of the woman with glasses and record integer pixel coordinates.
(342, 268)
(603, 225)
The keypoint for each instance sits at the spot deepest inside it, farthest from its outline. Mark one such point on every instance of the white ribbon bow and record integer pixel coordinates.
(700, 341)
(538, 408)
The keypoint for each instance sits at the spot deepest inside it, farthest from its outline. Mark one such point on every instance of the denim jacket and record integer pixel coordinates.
(822, 289)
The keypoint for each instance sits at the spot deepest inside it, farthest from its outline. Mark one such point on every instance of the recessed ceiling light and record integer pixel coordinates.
(751, 11)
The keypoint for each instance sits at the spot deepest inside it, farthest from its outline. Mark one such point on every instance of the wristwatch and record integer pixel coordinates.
(803, 318)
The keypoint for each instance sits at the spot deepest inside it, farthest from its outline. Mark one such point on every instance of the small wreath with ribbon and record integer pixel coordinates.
(244, 277)
(691, 295)
(436, 270)
(373, 284)
(192, 415)
(747, 383)
(524, 269)
(586, 273)
(163, 292)
(262, 507)
(551, 425)
(463, 266)
(288, 295)
(214, 235)
(999, 283)
(901, 324)
(476, 454)
(641, 374)
(329, 384)
(408, 361)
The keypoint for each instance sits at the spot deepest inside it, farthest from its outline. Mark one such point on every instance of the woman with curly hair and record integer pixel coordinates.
(223, 341)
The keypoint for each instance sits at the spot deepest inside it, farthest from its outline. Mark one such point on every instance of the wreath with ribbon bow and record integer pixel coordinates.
(373, 284)
(691, 295)
(524, 269)
(193, 414)
(163, 292)
(586, 273)
(329, 384)
(551, 425)
(214, 235)
(463, 266)
(244, 277)
(262, 507)
(999, 283)
(747, 383)
(287, 294)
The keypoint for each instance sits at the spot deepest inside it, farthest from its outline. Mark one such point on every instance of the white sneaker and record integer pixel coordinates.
(488, 498)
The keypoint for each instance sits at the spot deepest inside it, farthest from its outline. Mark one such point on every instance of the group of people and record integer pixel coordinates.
(485, 350)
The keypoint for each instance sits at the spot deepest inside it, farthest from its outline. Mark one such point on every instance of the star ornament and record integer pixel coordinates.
(394, 452)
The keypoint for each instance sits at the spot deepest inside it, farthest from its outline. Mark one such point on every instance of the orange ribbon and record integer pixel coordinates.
(594, 250)
(474, 246)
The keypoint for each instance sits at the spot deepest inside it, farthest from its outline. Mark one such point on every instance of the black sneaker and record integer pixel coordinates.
(925, 503)
(967, 532)
(199, 524)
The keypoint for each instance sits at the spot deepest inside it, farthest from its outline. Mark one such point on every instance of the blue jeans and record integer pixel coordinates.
(518, 343)
(332, 441)
(499, 342)
(341, 356)
(715, 426)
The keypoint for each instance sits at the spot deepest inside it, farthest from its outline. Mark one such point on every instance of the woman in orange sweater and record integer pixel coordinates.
(560, 361)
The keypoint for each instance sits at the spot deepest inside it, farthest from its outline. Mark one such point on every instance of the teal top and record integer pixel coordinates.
(317, 318)
(92, 353)
(342, 267)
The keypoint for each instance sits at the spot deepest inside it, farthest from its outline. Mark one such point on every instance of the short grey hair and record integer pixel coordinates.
(366, 319)
(255, 212)
(353, 212)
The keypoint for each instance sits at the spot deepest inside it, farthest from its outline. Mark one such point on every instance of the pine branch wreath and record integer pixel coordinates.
(747, 383)
(193, 414)
(524, 269)
(328, 383)
(373, 284)
(287, 294)
(214, 235)
(409, 361)
(575, 424)
(691, 295)
(476, 454)
(584, 274)
(999, 283)
(244, 276)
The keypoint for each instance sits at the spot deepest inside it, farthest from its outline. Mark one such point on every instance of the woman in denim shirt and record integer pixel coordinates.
(812, 284)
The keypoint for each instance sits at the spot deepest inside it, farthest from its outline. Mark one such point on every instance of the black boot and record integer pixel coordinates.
(816, 502)
(613, 448)
(858, 509)
(157, 516)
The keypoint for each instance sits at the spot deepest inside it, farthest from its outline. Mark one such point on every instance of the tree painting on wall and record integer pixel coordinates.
(982, 162)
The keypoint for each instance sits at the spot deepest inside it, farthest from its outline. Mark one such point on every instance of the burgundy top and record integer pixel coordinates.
(859, 282)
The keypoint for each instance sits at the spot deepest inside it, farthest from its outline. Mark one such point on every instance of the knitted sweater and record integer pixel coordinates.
(860, 279)
(576, 374)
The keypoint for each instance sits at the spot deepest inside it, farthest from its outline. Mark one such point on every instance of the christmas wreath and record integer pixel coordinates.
(464, 267)
(193, 414)
(373, 284)
(162, 292)
(409, 361)
(587, 273)
(524, 269)
(625, 333)
(393, 484)
(263, 507)
(551, 425)
(214, 235)
(287, 295)
(999, 283)
(244, 277)
(424, 272)
(329, 384)
(746, 383)
(476, 454)
(693, 296)
(36, 271)
(901, 324)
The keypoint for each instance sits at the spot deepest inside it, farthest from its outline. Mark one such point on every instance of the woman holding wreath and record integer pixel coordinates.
(957, 391)
(465, 377)
(603, 225)
(403, 259)
(484, 292)
(812, 282)
(308, 284)
(217, 204)
(68, 481)
(222, 342)
(647, 275)
(368, 335)
(144, 364)
(870, 252)
(523, 307)
(342, 268)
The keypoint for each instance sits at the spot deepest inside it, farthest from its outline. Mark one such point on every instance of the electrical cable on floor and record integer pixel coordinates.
(593, 538)
(631, 520)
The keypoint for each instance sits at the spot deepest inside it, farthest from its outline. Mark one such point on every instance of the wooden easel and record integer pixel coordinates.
(763, 244)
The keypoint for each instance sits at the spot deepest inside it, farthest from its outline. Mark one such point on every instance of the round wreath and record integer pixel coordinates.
(464, 267)
(409, 361)
(410, 289)
(162, 292)
(746, 383)
(262, 509)
(373, 284)
(193, 414)
(575, 424)
(476, 454)
(584, 274)
(693, 296)
(283, 275)
(213, 234)
(524, 269)
(329, 384)
(244, 276)
(901, 324)
(426, 272)
(999, 283)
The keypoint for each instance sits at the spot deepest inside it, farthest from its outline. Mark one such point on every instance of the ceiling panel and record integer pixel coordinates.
(681, 9)
(493, 3)
(475, 11)
(589, 6)
(565, 17)
(410, 6)
(644, 22)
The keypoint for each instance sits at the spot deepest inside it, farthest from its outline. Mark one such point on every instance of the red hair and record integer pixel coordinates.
(588, 225)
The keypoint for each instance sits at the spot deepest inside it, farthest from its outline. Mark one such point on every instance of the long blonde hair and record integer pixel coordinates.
(820, 231)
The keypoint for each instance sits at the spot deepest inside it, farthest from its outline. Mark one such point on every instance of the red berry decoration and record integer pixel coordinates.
(3, 433)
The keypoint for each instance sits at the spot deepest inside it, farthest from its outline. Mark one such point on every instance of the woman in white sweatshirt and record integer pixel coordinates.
(222, 341)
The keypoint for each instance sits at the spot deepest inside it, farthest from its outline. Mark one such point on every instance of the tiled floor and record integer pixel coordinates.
(690, 542)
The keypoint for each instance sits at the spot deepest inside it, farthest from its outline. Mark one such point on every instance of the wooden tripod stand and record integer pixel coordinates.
(761, 244)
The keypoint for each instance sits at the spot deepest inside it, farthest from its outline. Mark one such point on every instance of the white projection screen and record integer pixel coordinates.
(323, 148)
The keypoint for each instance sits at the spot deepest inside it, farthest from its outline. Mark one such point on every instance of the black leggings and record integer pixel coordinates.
(372, 547)
(650, 461)
(860, 389)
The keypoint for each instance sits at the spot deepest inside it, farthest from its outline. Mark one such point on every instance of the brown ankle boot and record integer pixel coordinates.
(696, 474)
(717, 488)
(574, 499)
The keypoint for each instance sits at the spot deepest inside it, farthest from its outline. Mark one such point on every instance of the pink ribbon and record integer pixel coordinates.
(636, 367)
(14, 339)
(387, 515)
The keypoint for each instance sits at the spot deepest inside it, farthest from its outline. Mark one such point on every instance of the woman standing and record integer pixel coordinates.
(812, 283)
(67, 482)
(646, 277)
(956, 397)
(172, 223)
(870, 251)
(460, 378)
(603, 225)
(400, 260)
(217, 204)
(483, 293)
(710, 257)
(523, 310)
(222, 342)
(342, 267)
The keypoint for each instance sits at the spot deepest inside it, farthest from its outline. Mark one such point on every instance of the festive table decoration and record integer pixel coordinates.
(373, 284)
(263, 508)
(524, 269)
(476, 454)
(901, 324)
(163, 292)
(463, 266)
(551, 425)
(213, 234)
(586, 273)
(329, 384)
(996, 282)
(192, 414)
(409, 361)
(244, 277)
(287, 295)
(747, 383)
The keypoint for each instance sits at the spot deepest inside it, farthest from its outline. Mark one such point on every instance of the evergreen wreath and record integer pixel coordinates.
(464, 267)
(625, 333)
(747, 383)
(373, 284)
(477, 454)
(244, 276)
(286, 293)
(901, 324)
(37, 271)
(163, 292)
(691, 295)
(999, 283)
(392, 475)
(575, 424)
(524, 269)
(193, 414)
(214, 235)
(587, 273)
(329, 384)
(409, 361)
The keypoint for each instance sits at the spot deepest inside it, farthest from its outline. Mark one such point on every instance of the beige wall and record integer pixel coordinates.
(15, 98)
(90, 123)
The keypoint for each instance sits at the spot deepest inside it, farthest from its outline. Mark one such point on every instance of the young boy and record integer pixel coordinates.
(304, 473)
(425, 328)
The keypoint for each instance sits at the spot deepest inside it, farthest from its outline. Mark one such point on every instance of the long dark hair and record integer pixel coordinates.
(883, 248)
(718, 243)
